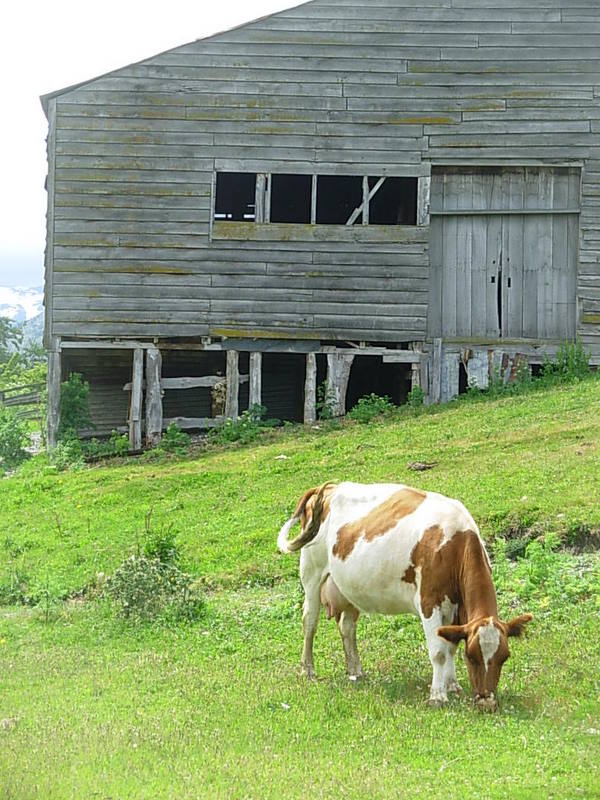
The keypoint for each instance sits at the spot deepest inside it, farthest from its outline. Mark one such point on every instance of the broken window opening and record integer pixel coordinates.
(291, 197)
(235, 197)
(337, 198)
(395, 203)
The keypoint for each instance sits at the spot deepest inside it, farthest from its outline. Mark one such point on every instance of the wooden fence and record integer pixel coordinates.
(25, 399)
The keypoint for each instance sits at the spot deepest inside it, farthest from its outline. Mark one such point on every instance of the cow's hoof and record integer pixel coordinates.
(360, 676)
(308, 673)
(454, 688)
(438, 701)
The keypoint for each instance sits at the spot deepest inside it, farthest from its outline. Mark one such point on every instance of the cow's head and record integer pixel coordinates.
(486, 650)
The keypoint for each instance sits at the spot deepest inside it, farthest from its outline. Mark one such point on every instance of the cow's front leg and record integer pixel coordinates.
(347, 628)
(452, 685)
(439, 656)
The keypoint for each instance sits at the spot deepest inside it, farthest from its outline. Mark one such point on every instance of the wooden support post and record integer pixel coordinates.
(436, 381)
(415, 376)
(255, 393)
(154, 395)
(310, 390)
(135, 405)
(233, 385)
(338, 375)
(53, 387)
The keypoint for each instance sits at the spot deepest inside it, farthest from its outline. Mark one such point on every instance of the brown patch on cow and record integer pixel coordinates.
(410, 576)
(312, 509)
(378, 521)
(458, 570)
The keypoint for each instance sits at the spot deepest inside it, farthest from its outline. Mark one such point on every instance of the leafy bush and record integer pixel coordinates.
(74, 410)
(544, 576)
(174, 440)
(116, 445)
(161, 544)
(147, 589)
(369, 407)
(247, 428)
(415, 398)
(325, 401)
(68, 453)
(572, 363)
(13, 438)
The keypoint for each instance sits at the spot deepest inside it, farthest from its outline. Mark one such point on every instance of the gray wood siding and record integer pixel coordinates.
(332, 86)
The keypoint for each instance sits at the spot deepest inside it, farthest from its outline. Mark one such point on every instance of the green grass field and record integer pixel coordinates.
(95, 706)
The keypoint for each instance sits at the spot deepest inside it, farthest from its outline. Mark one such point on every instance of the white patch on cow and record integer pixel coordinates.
(489, 641)
(448, 609)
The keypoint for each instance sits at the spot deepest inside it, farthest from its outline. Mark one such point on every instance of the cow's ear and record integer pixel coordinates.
(515, 626)
(453, 633)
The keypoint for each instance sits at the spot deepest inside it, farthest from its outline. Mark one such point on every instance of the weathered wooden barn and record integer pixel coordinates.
(389, 193)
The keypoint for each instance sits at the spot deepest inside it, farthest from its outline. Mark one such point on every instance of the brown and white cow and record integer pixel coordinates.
(391, 549)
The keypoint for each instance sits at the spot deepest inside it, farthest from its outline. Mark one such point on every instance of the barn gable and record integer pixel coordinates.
(387, 176)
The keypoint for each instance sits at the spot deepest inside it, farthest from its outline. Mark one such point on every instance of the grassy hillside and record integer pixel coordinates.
(91, 705)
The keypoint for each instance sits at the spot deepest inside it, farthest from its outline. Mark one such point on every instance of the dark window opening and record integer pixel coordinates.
(283, 386)
(291, 197)
(463, 379)
(337, 197)
(369, 375)
(395, 202)
(537, 370)
(236, 197)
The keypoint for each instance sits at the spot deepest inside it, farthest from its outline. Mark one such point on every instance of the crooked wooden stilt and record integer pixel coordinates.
(154, 395)
(135, 404)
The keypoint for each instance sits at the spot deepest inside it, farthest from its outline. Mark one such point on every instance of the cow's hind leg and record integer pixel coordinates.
(347, 628)
(311, 582)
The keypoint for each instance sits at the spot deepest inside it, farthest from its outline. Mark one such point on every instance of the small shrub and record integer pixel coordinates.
(174, 440)
(325, 401)
(369, 407)
(160, 544)
(415, 398)
(68, 453)
(116, 445)
(247, 428)
(74, 411)
(572, 363)
(148, 589)
(13, 438)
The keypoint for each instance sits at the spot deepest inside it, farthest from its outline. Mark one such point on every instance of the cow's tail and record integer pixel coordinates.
(312, 502)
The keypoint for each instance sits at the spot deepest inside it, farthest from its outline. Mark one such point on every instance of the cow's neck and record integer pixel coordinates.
(476, 587)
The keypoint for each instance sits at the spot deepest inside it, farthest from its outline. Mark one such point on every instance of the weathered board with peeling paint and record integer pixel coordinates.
(335, 87)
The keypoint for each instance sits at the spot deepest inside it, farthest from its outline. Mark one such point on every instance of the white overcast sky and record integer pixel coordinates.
(46, 46)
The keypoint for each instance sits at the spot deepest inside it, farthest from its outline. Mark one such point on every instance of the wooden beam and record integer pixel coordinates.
(423, 201)
(190, 423)
(154, 394)
(310, 390)
(415, 378)
(338, 375)
(53, 387)
(255, 394)
(50, 222)
(436, 379)
(135, 404)
(233, 385)
(105, 344)
(364, 206)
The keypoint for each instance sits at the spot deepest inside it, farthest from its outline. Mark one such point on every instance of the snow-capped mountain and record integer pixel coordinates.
(21, 303)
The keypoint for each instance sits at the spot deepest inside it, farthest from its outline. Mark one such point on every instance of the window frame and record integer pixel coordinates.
(263, 206)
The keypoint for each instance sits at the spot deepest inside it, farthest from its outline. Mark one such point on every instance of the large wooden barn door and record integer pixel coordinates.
(503, 253)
